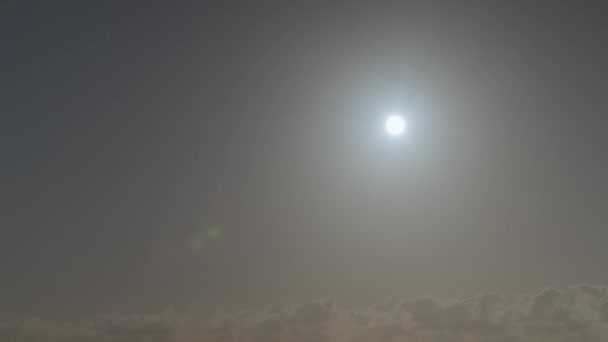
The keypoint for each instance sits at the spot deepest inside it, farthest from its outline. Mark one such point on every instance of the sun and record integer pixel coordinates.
(395, 125)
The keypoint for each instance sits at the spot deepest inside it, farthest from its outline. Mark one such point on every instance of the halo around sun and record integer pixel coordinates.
(395, 125)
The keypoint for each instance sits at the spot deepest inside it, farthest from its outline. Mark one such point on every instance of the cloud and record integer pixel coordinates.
(578, 313)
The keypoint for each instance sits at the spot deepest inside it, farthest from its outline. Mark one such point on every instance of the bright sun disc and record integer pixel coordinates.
(395, 125)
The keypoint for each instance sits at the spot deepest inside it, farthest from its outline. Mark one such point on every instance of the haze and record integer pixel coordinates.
(172, 160)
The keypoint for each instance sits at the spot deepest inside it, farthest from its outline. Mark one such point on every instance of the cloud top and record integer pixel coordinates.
(578, 313)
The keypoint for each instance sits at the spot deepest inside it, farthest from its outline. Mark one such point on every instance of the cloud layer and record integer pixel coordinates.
(578, 313)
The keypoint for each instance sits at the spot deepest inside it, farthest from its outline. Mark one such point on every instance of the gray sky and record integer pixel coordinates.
(232, 155)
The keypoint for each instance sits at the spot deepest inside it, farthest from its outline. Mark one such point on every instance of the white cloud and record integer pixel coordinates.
(579, 314)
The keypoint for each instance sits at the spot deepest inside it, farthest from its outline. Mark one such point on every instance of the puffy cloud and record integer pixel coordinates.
(596, 297)
(580, 313)
(543, 304)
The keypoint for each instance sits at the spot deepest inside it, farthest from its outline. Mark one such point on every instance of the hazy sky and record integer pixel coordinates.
(232, 154)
